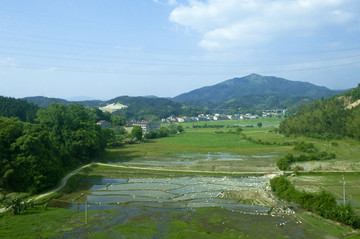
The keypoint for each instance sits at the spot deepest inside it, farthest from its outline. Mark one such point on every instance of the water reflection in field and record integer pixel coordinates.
(181, 192)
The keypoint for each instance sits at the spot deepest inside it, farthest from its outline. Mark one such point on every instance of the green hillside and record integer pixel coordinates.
(45, 102)
(139, 108)
(337, 116)
(254, 91)
(151, 108)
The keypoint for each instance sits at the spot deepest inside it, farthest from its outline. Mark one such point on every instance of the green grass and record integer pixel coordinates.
(318, 226)
(199, 141)
(137, 228)
(37, 223)
(264, 121)
(209, 140)
(204, 141)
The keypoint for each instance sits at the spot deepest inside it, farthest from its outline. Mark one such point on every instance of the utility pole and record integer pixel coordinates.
(85, 211)
(344, 182)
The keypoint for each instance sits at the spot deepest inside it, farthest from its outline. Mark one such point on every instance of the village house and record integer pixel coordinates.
(146, 127)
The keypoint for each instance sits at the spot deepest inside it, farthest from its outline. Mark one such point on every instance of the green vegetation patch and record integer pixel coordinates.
(37, 223)
(137, 228)
(319, 226)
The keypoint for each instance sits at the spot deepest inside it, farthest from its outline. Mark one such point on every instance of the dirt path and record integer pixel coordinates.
(60, 186)
(185, 171)
(62, 183)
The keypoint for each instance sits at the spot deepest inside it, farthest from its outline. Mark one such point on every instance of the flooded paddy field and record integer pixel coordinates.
(171, 192)
(180, 207)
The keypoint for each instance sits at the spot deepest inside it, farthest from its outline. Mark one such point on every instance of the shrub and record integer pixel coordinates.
(305, 147)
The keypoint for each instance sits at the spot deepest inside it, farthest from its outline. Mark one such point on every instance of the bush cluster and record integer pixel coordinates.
(164, 132)
(284, 162)
(262, 142)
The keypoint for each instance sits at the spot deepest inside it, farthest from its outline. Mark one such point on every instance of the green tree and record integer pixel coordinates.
(259, 124)
(151, 135)
(238, 130)
(180, 128)
(74, 132)
(136, 132)
(117, 121)
(10, 130)
(172, 129)
(100, 115)
(163, 132)
(36, 164)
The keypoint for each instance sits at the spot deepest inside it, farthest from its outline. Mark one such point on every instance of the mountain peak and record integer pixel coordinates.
(253, 75)
(244, 90)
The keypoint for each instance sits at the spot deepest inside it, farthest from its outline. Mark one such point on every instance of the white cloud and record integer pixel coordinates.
(232, 23)
(9, 61)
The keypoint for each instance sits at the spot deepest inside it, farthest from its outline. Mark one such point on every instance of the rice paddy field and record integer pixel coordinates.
(202, 183)
(131, 204)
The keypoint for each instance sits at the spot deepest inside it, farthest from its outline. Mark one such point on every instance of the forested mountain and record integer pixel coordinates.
(337, 116)
(254, 91)
(10, 107)
(45, 102)
(149, 108)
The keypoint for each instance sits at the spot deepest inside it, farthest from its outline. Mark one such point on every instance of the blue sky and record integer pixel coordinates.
(104, 49)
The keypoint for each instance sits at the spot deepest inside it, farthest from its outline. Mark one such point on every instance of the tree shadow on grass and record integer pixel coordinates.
(119, 156)
(149, 141)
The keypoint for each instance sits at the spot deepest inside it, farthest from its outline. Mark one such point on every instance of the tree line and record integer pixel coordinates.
(34, 156)
(326, 118)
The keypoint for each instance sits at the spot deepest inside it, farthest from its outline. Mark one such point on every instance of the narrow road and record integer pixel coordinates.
(62, 183)
(60, 186)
